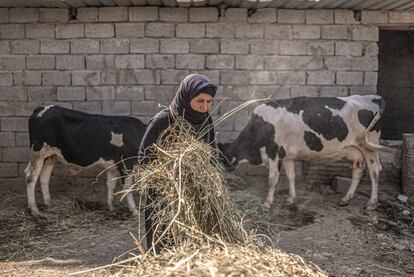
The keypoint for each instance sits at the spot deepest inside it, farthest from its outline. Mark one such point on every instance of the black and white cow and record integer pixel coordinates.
(313, 128)
(80, 140)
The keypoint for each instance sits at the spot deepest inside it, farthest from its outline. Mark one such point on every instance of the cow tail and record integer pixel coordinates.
(373, 146)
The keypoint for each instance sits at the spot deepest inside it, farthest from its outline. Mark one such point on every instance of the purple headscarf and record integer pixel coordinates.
(192, 85)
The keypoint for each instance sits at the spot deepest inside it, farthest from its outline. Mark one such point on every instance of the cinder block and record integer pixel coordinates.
(190, 30)
(401, 17)
(23, 15)
(309, 91)
(264, 47)
(321, 78)
(53, 15)
(6, 109)
(338, 63)
(190, 61)
(145, 45)
(130, 61)
(87, 14)
(162, 94)
(4, 47)
(94, 107)
(25, 46)
(26, 108)
(306, 32)
(363, 90)
(71, 94)
(263, 77)
(371, 49)
(334, 32)
(126, 30)
(266, 15)
(54, 46)
(249, 31)
(22, 139)
(6, 78)
(345, 17)
(131, 77)
(370, 78)
(348, 48)
(319, 17)
(7, 139)
(334, 91)
(12, 31)
(278, 32)
(159, 61)
(116, 107)
(234, 77)
(84, 46)
(99, 30)
(41, 93)
(374, 17)
(143, 14)
(70, 31)
(251, 62)
(111, 14)
(86, 78)
(321, 48)
(291, 16)
(292, 47)
(129, 93)
(70, 62)
(349, 78)
(14, 124)
(213, 75)
(160, 30)
(100, 62)
(234, 47)
(12, 62)
(145, 108)
(41, 62)
(220, 30)
(173, 77)
(115, 46)
(204, 46)
(28, 78)
(366, 33)
(174, 46)
(294, 63)
(8, 170)
(208, 14)
(365, 63)
(234, 15)
(40, 30)
(50, 78)
(291, 78)
(173, 14)
(100, 93)
(219, 62)
(4, 15)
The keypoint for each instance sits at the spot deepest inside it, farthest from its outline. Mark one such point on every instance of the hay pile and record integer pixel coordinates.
(201, 229)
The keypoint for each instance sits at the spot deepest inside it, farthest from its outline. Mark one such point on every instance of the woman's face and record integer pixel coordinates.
(202, 102)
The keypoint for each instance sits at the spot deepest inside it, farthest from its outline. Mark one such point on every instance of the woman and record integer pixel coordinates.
(193, 101)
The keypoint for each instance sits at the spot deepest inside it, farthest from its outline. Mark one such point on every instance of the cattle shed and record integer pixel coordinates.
(125, 57)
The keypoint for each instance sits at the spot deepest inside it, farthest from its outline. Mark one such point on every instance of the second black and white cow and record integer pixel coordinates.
(313, 128)
(80, 140)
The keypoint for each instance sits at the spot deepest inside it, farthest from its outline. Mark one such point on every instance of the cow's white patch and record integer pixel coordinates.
(117, 139)
(44, 110)
(333, 111)
(264, 156)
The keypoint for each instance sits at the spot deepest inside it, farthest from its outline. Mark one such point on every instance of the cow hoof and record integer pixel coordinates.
(111, 208)
(343, 203)
(290, 200)
(371, 206)
(267, 205)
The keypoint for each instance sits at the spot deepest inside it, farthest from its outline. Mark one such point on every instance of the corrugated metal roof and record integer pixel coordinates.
(253, 4)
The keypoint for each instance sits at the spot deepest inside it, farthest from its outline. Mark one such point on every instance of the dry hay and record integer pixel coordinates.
(202, 231)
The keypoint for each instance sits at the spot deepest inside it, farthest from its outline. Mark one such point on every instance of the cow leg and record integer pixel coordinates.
(289, 166)
(48, 166)
(273, 180)
(374, 167)
(357, 172)
(111, 181)
(130, 196)
(32, 173)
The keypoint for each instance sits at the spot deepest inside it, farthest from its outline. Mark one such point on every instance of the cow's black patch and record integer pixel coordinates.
(316, 114)
(312, 141)
(365, 117)
(281, 153)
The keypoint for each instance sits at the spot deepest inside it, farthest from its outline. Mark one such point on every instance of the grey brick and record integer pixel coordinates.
(94, 107)
(129, 93)
(173, 77)
(338, 63)
(126, 30)
(172, 46)
(401, 17)
(249, 31)
(321, 78)
(160, 30)
(145, 108)
(12, 62)
(70, 31)
(42, 93)
(220, 30)
(28, 78)
(365, 63)
(349, 78)
(13, 94)
(163, 94)
(111, 14)
(4, 15)
(99, 30)
(71, 94)
(26, 108)
(143, 13)
(370, 78)
(4, 47)
(145, 45)
(50, 78)
(363, 90)
(53, 15)
(130, 61)
(325, 48)
(96, 62)
(159, 61)
(22, 139)
(278, 32)
(54, 46)
(14, 124)
(234, 77)
(345, 17)
(7, 139)
(309, 91)
(207, 14)
(190, 30)
(130, 77)
(40, 30)
(374, 17)
(319, 17)
(251, 62)
(173, 14)
(41, 62)
(220, 62)
(291, 77)
(348, 48)
(334, 91)
(366, 33)
(84, 46)
(86, 78)
(23, 15)
(25, 46)
(213, 75)
(115, 46)
(11, 31)
(306, 32)
(190, 61)
(294, 63)
(292, 47)
(70, 62)
(290, 16)
(6, 109)
(204, 46)
(6, 78)
(267, 15)
(100, 93)
(371, 49)
(334, 32)
(234, 47)
(264, 47)
(235, 15)
(8, 170)
(116, 107)
(87, 14)
(263, 77)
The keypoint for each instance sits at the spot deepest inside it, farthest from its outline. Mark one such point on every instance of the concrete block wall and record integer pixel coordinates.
(126, 60)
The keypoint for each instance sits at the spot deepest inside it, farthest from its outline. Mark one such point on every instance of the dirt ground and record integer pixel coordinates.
(80, 233)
